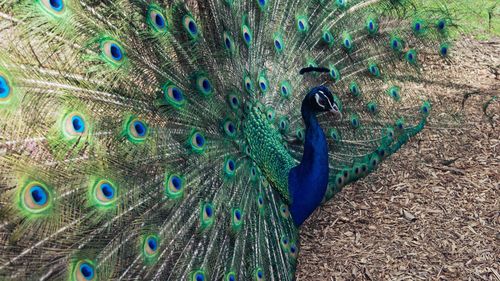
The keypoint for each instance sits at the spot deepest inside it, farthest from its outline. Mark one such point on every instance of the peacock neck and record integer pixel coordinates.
(302, 186)
(308, 181)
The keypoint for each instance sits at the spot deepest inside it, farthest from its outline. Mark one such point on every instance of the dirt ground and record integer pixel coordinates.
(432, 210)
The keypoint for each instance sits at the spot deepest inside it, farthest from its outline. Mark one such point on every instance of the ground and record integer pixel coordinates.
(432, 210)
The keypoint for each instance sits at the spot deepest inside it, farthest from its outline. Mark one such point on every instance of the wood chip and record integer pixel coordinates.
(407, 215)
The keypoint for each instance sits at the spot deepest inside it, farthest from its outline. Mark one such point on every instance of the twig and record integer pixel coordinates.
(449, 169)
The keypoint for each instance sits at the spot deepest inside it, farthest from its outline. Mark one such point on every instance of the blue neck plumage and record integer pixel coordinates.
(308, 181)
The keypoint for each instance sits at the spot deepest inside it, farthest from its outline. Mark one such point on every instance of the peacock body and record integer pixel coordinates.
(169, 140)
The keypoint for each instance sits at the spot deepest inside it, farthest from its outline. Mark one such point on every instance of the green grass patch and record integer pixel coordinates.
(477, 18)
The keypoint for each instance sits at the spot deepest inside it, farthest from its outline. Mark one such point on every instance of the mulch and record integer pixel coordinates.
(432, 210)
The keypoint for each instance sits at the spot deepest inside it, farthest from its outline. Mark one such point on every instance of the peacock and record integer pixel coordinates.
(189, 140)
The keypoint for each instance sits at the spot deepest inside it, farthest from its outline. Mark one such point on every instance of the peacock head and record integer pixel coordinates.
(320, 99)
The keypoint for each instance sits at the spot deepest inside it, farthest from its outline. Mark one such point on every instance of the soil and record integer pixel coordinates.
(432, 210)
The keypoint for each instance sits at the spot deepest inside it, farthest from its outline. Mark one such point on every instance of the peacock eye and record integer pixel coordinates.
(302, 24)
(5, 88)
(372, 26)
(230, 167)
(285, 243)
(341, 3)
(300, 134)
(174, 186)
(137, 130)
(284, 211)
(207, 215)
(270, 114)
(200, 277)
(174, 96)
(198, 141)
(112, 52)
(152, 244)
(411, 56)
(176, 182)
(441, 24)
(55, 7)
(328, 38)
(247, 34)
(374, 70)
(156, 19)
(278, 43)
(347, 41)
(237, 219)
(444, 49)
(234, 101)
(394, 93)
(150, 247)
(425, 108)
(263, 82)
(259, 274)
(87, 271)
(104, 193)
(231, 276)
(204, 85)
(230, 128)
(417, 26)
(260, 202)
(74, 125)
(247, 82)
(285, 89)
(84, 271)
(36, 197)
(228, 42)
(293, 250)
(190, 26)
(237, 215)
(283, 124)
(115, 51)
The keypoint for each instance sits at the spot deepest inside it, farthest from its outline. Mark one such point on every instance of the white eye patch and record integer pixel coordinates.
(316, 96)
(332, 106)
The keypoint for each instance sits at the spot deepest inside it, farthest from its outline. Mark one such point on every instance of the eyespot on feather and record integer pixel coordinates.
(112, 51)
(54, 7)
(207, 216)
(197, 142)
(35, 198)
(136, 130)
(74, 125)
(156, 19)
(174, 186)
(173, 95)
(5, 88)
(190, 26)
(84, 270)
(104, 193)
